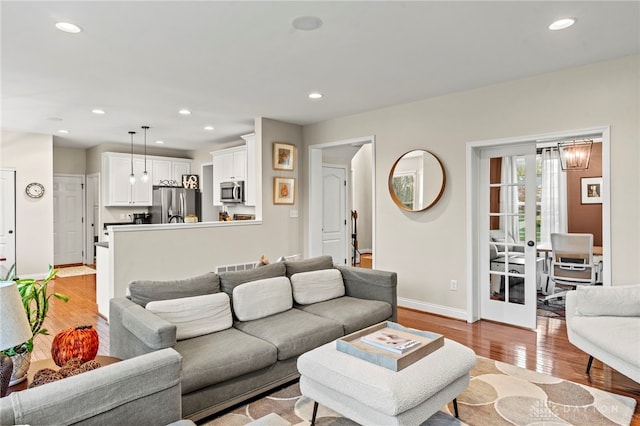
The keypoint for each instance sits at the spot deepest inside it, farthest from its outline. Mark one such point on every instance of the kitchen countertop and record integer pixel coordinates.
(167, 226)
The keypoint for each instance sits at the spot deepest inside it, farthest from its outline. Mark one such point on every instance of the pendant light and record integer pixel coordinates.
(575, 155)
(145, 175)
(132, 177)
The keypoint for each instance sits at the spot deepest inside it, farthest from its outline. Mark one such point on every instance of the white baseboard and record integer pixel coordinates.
(433, 309)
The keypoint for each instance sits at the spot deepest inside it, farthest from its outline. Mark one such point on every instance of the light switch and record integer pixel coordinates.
(293, 213)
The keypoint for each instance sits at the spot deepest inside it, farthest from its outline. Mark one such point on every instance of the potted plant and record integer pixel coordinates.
(36, 305)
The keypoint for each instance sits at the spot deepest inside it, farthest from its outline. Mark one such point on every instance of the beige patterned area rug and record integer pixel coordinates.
(72, 271)
(499, 394)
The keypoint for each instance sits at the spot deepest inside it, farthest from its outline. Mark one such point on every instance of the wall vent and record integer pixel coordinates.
(238, 267)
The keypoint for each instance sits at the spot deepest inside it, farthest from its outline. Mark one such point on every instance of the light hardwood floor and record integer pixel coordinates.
(546, 350)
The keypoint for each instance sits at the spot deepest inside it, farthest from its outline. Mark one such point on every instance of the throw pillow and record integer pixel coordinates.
(307, 265)
(317, 286)
(195, 316)
(145, 291)
(229, 280)
(261, 298)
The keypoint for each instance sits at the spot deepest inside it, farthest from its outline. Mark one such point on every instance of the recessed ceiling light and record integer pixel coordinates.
(159, 142)
(98, 111)
(315, 95)
(209, 128)
(306, 23)
(63, 131)
(184, 111)
(68, 27)
(561, 24)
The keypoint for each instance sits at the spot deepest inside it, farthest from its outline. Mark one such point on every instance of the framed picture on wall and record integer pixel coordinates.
(284, 190)
(591, 190)
(284, 156)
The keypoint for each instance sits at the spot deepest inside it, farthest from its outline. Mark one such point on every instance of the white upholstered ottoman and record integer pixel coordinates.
(373, 395)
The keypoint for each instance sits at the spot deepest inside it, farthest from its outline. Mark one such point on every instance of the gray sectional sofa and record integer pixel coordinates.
(259, 323)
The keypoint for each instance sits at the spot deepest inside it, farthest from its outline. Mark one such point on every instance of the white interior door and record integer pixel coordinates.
(334, 219)
(7, 220)
(507, 220)
(68, 220)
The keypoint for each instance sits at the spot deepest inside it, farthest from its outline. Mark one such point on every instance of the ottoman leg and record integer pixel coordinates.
(455, 407)
(315, 411)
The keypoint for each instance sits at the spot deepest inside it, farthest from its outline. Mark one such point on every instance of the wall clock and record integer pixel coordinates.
(35, 190)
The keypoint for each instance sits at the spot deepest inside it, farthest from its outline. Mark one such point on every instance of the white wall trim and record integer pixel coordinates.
(472, 158)
(432, 308)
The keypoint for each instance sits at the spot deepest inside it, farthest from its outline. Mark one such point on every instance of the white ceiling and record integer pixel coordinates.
(229, 62)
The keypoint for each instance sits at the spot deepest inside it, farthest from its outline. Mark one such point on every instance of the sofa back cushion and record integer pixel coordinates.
(145, 291)
(195, 316)
(307, 265)
(229, 280)
(621, 301)
(317, 286)
(261, 298)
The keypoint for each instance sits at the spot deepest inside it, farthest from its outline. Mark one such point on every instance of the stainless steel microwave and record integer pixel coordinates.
(232, 192)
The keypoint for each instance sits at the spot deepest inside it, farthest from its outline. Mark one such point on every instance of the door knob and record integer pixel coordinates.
(11, 231)
(531, 243)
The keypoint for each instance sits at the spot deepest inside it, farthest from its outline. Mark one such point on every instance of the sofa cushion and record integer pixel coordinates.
(354, 314)
(216, 357)
(229, 280)
(261, 298)
(145, 291)
(306, 265)
(617, 336)
(195, 316)
(317, 286)
(614, 301)
(292, 332)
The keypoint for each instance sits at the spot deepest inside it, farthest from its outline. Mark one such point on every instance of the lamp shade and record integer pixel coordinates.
(14, 326)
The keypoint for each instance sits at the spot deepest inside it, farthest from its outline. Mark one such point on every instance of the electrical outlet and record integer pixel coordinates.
(454, 284)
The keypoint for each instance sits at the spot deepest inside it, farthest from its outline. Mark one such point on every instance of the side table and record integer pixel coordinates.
(48, 363)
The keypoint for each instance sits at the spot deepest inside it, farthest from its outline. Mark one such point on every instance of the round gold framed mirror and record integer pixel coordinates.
(416, 180)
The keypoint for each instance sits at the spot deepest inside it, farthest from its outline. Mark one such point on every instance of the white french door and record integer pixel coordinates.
(507, 220)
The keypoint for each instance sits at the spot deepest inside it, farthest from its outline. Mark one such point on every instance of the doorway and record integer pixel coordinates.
(478, 251)
(342, 153)
(92, 213)
(7, 221)
(68, 219)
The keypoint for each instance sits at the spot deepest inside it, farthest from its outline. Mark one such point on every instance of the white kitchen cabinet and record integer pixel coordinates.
(117, 189)
(169, 170)
(228, 165)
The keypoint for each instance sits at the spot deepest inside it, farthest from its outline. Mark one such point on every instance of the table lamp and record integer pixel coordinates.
(14, 329)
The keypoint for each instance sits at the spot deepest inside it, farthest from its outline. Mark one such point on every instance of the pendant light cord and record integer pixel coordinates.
(145, 147)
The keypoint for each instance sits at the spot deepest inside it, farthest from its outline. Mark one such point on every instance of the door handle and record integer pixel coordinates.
(531, 243)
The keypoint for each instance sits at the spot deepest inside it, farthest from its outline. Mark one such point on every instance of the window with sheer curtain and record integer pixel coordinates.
(553, 203)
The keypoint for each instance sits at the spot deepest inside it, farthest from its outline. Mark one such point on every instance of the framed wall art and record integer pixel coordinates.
(284, 156)
(284, 190)
(591, 190)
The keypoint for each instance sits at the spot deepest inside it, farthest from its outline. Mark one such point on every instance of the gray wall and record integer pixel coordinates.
(428, 249)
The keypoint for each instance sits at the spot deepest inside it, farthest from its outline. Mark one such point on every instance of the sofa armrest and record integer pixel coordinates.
(134, 331)
(142, 390)
(619, 301)
(371, 284)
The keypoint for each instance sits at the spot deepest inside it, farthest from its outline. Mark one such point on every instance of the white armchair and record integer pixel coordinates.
(605, 323)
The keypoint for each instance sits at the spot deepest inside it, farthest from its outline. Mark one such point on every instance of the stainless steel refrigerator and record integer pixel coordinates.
(173, 204)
